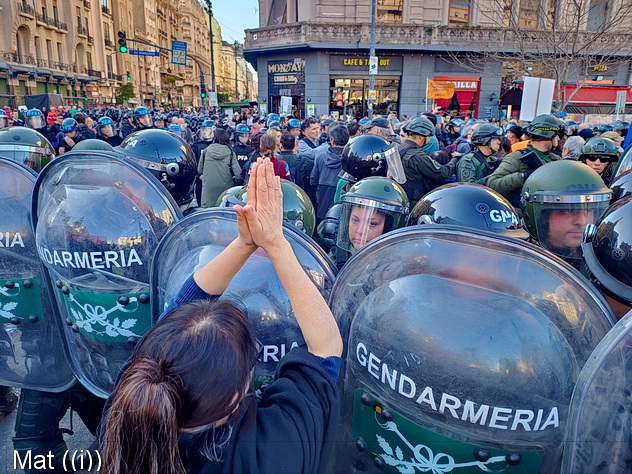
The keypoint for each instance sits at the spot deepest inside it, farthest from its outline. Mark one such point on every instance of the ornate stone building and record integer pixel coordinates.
(317, 52)
(237, 78)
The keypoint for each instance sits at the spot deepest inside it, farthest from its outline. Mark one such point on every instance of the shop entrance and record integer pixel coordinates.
(296, 110)
(349, 96)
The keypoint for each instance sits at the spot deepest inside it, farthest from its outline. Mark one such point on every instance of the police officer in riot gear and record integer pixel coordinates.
(242, 147)
(128, 124)
(72, 136)
(469, 205)
(26, 146)
(35, 119)
(107, 132)
(422, 172)
(4, 119)
(544, 132)
(558, 201)
(169, 158)
(602, 155)
(477, 165)
(142, 119)
(294, 127)
(371, 207)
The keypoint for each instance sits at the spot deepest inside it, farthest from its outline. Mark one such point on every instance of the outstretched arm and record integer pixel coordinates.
(264, 214)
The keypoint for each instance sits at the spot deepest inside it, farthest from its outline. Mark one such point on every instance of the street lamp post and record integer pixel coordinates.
(209, 10)
(372, 54)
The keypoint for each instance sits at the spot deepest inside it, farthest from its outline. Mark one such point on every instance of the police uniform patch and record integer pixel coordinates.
(435, 164)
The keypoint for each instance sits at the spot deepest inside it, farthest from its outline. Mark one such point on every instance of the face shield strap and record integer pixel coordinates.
(551, 197)
(614, 288)
(372, 203)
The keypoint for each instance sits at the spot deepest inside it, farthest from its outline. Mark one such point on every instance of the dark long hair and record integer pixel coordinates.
(221, 137)
(184, 374)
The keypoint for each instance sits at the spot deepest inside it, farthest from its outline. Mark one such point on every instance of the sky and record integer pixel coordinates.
(234, 16)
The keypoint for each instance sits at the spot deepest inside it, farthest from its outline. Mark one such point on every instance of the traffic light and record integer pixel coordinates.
(129, 76)
(203, 90)
(122, 42)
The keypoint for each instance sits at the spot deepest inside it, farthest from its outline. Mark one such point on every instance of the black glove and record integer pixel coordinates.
(526, 175)
(494, 164)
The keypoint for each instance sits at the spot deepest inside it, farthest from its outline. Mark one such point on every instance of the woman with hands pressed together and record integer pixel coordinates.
(183, 402)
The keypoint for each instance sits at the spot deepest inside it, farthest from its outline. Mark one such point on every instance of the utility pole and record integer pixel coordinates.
(209, 10)
(372, 54)
(236, 73)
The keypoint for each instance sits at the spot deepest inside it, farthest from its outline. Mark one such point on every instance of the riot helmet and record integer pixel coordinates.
(298, 210)
(293, 124)
(372, 207)
(485, 133)
(545, 126)
(273, 118)
(558, 200)
(621, 186)
(26, 146)
(365, 156)
(607, 252)
(469, 205)
(206, 130)
(69, 125)
(175, 129)
(93, 144)
(420, 126)
(106, 128)
(35, 119)
(4, 119)
(242, 133)
(229, 197)
(141, 117)
(601, 154)
(274, 125)
(168, 157)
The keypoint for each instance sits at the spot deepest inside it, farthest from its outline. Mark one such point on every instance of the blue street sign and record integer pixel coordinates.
(138, 52)
(179, 52)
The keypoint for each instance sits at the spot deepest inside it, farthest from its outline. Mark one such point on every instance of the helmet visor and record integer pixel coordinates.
(206, 133)
(35, 122)
(4, 122)
(106, 130)
(561, 227)
(361, 223)
(145, 120)
(26, 155)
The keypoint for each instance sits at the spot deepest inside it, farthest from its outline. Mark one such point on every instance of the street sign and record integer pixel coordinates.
(620, 107)
(373, 61)
(138, 52)
(373, 95)
(212, 99)
(179, 52)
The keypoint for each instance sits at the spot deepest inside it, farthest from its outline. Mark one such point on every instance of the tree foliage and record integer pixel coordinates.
(125, 92)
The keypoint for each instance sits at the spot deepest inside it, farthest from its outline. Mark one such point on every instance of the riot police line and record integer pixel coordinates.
(464, 344)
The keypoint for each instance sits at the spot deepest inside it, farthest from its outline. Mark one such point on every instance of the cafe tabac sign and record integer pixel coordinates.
(360, 63)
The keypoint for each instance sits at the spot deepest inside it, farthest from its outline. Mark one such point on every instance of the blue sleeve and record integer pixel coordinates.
(190, 291)
(332, 366)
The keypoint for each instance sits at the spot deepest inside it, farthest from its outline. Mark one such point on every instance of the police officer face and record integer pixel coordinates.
(365, 224)
(35, 122)
(107, 131)
(566, 227)
(295, 131)
(494, 144)
(243, 138)
(598, 163)
(144, 120)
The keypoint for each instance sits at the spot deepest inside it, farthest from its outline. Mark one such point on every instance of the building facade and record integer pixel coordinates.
(315, 54)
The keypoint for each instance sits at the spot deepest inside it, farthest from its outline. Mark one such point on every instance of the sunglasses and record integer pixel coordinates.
(603, 159)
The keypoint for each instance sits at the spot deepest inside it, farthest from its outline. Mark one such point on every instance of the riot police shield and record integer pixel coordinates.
(462, 351)
(31, 354)
(599, 431)
(98, 218)
(200, 237)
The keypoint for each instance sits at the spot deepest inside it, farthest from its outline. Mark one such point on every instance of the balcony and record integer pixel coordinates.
(14, 57)
(86, 4)
(26, 10)
(161, 13)
(402, 36)
(116, 77)
(90, 40)
(60, 25)
(105, 10)
(82, 30)
(59, 65)
(40, 17)
(94, 73)
(42, 63)
(108, 42)
(162, 32)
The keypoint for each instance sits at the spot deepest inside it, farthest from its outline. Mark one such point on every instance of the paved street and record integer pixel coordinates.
(82, 439)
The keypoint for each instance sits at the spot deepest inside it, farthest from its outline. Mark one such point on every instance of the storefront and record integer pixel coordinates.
(286, 86)
(349, 84)
(465, 97)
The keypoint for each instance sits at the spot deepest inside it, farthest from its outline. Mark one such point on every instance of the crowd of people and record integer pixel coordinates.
(545, 181)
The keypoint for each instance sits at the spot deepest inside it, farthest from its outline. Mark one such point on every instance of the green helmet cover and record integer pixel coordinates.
(600, 146)
(92, 144)
(545, 126)
(420, 126)
(484, 133)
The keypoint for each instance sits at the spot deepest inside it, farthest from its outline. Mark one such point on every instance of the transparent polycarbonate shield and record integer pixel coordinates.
(197, 239)
(599, 432)
(99, 218)
(462, 348)
(31, 351)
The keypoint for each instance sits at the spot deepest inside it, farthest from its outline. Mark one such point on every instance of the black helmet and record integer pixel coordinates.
(272, 118)
(365, 156)
(69, 125)
(242, 130)
(468, 205)
(141, 116)
(484, 133)
(35, 119)
(607, 251)
(621, 186)
(420, 126)
(166, 156)
(106, 127)
(545, 126)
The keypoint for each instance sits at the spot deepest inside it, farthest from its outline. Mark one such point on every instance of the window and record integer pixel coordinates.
(597, 15)
(106, 31)
(104, 3)
(60, 52)
(89, 60)
(55, 12)
(389, 11)
(49, 50)
(79, 17)
(87, 26)
(278, 13)
(38, 47)
(528, 14)
(459, 13)
(108, 60)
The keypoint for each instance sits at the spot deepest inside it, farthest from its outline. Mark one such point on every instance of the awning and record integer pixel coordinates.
(595, 94)
(511, 97)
